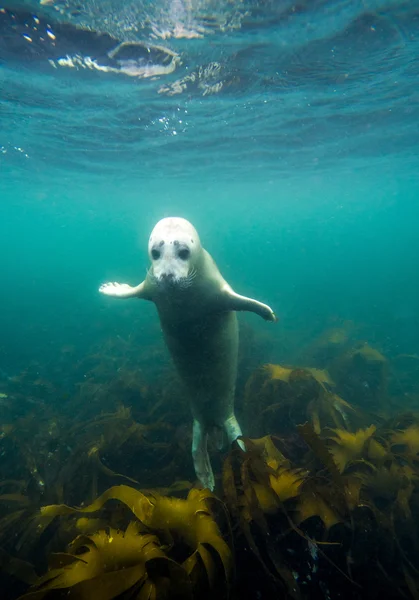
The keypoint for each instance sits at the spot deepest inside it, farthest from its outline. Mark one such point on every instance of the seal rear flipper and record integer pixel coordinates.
(233, 431)
(237, 302)
(200, 456)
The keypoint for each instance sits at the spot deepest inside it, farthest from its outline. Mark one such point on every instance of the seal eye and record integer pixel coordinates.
(184, 254)
(155, 254)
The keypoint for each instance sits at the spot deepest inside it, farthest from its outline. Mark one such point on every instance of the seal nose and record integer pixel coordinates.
(167, 277)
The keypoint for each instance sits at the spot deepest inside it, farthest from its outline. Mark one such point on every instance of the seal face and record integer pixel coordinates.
(173, 249)
(196, 307)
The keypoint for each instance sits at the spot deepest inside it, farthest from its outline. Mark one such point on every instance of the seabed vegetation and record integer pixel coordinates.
(98, 498)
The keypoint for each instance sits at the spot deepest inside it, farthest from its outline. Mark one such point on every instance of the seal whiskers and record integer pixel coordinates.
(188, 280)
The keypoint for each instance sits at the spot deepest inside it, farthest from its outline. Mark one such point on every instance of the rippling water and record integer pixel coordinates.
(267, 89)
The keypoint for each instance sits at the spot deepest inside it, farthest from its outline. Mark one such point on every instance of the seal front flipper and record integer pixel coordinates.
(200, 456)
(236, 302)
(123, 290)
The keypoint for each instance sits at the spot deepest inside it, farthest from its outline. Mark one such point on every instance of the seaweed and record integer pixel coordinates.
(111, 562)
(324, 502)
(281, 398)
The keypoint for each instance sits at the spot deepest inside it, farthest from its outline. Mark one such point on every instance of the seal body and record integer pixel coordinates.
(196, 307)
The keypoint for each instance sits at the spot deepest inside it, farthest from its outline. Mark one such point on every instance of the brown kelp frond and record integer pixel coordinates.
(355, 503)
(320, 451)
(277, 372)
(108, 563)
(17, 568)
(322, 501)
(267, 387)
(361, 377)
(386, 482)
(347, 447)
(287, 482)
(286, 397)
(93, 456)
(406, 441)
(316, 401)
(272, 502)
(265, 448)
(321, 376)
(250, 500)
(207, 562)
(114, 448)
(114, 430)
(267, 470)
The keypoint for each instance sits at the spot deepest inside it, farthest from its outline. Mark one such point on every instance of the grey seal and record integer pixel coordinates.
(196, 307)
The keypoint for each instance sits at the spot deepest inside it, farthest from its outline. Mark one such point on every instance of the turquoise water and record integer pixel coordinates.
(299, 171)
(288, 134)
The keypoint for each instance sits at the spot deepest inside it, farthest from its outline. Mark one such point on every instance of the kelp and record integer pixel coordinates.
(328, 505)
(147, 556)
(17, 568)
(362, 376)
(250, 500)
(272, 503)
(406, 441)
(109, 563)
(282, 397)
(75, 462)
(111, 376)
(347, 447)
(281, 510)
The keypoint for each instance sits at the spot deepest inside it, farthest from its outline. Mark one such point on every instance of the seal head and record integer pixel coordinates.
(174, 248)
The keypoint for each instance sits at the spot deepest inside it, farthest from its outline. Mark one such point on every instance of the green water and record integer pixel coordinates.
(319, 250)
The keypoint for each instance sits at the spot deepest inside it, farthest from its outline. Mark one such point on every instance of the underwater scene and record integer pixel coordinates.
(209, 309)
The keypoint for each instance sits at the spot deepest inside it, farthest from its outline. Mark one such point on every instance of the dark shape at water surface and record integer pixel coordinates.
(28, 37)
